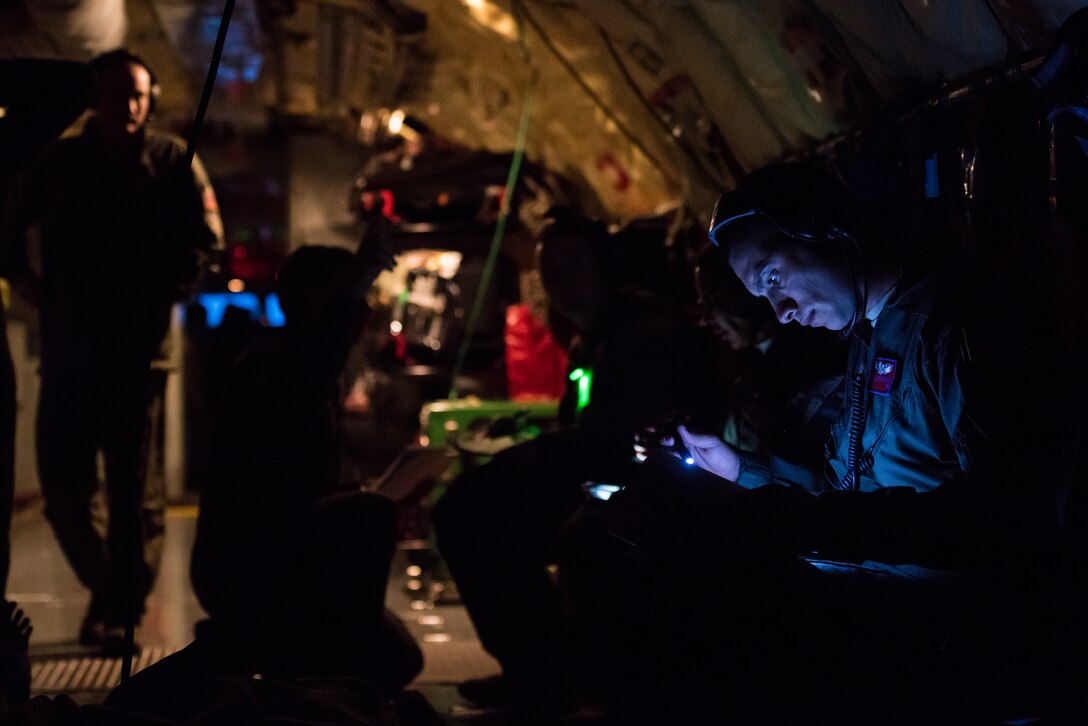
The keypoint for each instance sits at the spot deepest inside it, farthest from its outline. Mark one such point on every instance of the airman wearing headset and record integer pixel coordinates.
(122, 225)
(908, 554)
(921, 342)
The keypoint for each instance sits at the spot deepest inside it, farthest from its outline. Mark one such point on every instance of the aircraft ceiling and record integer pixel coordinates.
(641, 103)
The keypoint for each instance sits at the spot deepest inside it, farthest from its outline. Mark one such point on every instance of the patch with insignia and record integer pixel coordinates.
(883, 376)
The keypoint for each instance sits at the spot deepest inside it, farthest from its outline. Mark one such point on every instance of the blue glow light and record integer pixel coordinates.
(209, 28)
(689, 461)
(273, 313)
(216, 303)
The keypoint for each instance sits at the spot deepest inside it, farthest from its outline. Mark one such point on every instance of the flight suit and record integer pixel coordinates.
(119, 235)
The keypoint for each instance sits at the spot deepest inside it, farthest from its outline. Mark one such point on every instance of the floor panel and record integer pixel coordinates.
(46, 588)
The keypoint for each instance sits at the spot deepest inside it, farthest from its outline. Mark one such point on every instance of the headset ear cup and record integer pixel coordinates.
(156, 89)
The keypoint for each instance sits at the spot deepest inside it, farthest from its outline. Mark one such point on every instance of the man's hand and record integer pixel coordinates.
(710, 453)
(377, 251)
(378, 248)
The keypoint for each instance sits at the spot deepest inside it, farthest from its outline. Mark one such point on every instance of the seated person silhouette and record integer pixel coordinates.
(913, 570)
(291, 566)
(500, 525)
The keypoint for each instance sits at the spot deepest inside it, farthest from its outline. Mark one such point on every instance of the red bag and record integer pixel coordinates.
(536, 366)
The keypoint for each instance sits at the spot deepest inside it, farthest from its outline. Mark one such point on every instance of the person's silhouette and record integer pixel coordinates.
(290, 565)
(123, 224)
(276, 525)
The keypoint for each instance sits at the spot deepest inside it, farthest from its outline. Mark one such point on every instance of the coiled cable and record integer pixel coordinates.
(851, 480)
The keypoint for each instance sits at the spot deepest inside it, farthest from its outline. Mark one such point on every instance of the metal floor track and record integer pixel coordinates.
(449, 662)
(84, 674)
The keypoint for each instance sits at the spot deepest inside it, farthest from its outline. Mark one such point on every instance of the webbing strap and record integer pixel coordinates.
(500, 230)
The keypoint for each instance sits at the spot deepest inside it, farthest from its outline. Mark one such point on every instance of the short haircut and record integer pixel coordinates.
(311, 279)
(118, 57)
(802, 201)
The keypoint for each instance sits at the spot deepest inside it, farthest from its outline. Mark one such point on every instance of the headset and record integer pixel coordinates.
(101, 63)
(804, 203)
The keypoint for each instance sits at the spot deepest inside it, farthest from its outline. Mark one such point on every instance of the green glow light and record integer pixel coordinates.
(585, 383)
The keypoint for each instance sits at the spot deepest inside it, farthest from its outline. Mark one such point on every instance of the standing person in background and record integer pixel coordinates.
(105, 232)
(30, 123)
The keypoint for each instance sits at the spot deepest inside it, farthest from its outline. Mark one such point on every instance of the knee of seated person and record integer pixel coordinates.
(357, 509)
(411, 660)
(461, 500)
(460, 517)
(444, 515)
(357, 501)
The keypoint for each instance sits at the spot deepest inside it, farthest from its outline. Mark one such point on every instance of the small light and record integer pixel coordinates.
(431, 620)
(395, 327)
(3, 111)
(414, 585)
(577, 373)
(396, 121)
(437, 638)
(603, 492)
(451, 425)
(424, 440)
(413, 571)
(689, 461)
(236, 285)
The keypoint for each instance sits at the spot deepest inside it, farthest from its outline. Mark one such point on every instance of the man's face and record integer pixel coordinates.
(124, 99)
(801, 281)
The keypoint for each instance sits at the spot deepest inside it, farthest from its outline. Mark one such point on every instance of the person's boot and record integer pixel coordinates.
(15, 632)
(103, 630)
